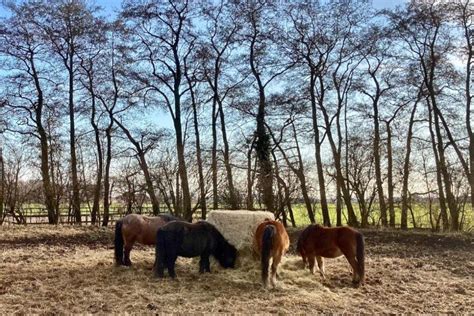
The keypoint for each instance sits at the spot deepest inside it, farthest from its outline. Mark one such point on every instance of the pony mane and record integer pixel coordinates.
(168, 217)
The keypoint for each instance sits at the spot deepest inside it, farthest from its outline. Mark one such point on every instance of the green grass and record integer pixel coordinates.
(420, 213)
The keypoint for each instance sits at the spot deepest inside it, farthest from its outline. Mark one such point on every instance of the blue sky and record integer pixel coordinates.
(111, 6)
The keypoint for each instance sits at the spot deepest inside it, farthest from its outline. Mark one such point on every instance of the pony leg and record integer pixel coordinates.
(171, 261)
(321, 267)
(171, 256)
(160, 255)
(305, 261)
(127, 249)
(353, 263)
(159, 266)
(204, 265)
(311, 264)
(275, 263)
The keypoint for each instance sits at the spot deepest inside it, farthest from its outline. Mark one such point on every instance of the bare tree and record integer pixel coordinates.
(22, 44)
(310, 32)
(259, 35)
(161, 33)
(221, 32)
(65, 24)
(2, 164)
(191, 79)
(464, 17)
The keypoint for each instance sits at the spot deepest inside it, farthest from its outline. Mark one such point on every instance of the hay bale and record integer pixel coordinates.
(238, 226)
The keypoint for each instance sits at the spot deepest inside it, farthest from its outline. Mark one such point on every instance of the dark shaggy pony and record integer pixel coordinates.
(136, 228)
(316, 241)
(191, 240)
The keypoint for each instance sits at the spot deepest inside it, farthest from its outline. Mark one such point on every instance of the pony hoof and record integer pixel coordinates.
(158, 274)
(355, 283)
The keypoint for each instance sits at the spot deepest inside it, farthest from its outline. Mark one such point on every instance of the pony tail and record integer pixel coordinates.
(300, 249)
(118, 243)
(360, 257)
(267, 244)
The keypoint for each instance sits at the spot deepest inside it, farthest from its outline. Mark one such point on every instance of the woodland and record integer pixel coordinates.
(328, 110)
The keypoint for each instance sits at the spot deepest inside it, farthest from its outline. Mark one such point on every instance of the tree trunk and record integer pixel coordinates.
(263, 153)
(108, 160)
(262, 147)
(453, 210)
(100, 162)
(186, 197)
(390, 188)
(202, 191)
(182, 171)
(338, 205)
(2, 184)
(298, 171)
(215, 198)
(49, 195)
(352, 218)
(149, 184)
(406, 170)
(378, 172)
(317, 152)
(76, 200)
(288, 202)
(467, 28)
(249, 176)
(280, 207)
(234, 203)
(307, 201)
(441, 196)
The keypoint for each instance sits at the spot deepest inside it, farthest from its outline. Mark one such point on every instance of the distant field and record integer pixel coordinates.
(420, 213)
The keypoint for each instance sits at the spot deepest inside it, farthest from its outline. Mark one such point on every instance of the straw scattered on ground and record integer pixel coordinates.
(64, 269)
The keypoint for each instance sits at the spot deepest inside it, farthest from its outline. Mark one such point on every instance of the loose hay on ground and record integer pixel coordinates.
(69, 270)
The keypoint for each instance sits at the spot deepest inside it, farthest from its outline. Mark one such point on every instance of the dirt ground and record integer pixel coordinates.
(64, 269)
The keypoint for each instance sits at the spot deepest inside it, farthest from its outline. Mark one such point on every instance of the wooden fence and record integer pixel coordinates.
(39, 215)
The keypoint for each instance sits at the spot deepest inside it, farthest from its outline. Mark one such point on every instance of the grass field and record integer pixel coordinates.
(68, 269)
(420, 214)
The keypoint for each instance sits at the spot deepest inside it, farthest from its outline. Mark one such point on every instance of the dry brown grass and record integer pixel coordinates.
(69, 270)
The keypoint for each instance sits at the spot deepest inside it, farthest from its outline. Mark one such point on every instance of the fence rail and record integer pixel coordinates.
(39, 215)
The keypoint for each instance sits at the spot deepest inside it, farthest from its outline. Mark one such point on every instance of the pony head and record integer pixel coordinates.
(226, 254)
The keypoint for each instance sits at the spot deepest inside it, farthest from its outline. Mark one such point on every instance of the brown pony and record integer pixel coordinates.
(136, 228)
(270, 241)
(317, 241)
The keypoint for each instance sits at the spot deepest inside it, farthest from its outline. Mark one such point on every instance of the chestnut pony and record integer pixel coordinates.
(270, 241)
(136, 228)
(316, 241)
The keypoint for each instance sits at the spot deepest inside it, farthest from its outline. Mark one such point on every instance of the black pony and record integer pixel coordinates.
(191, 240)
